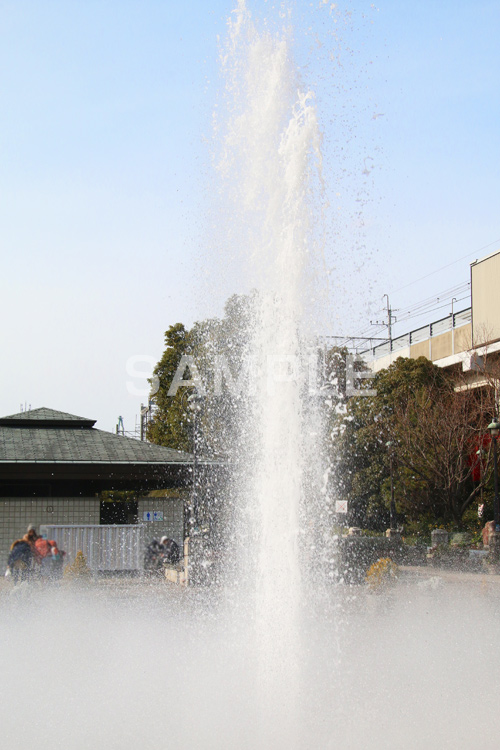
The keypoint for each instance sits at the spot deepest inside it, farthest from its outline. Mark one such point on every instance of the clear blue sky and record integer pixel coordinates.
(104, 168)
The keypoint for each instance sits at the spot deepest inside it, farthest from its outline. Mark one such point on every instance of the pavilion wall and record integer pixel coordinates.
(16, 513)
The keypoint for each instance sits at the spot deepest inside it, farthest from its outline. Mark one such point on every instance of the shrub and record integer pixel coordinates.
(381, 573)
(78, 570)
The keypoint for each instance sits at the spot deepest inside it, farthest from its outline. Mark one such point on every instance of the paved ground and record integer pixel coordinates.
(408, 573)
(452, 576)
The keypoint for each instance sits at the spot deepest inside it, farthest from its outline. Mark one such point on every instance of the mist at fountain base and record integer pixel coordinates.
(126, 665)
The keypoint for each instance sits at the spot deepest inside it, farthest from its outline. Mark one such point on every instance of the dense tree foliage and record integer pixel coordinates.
(422, 421)
(218, 347)
(430, 428)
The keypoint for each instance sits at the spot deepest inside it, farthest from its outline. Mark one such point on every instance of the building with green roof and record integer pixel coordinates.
(53, 465)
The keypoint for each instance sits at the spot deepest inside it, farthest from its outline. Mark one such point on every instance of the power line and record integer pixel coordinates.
(450, 292)
(423, 307)
(431, 307)
(439, 307)
(444, 267)
(436, 303)
(458, 289)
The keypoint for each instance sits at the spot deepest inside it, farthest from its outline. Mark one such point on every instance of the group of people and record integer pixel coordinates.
(34, 557)
(159, 553)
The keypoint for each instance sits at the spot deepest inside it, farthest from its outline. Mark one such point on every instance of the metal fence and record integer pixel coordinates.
(443, 325)
(106, 548)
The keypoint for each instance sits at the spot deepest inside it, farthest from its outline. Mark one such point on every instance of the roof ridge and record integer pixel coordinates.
(44, 414)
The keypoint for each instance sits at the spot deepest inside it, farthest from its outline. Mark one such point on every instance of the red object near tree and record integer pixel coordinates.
(478, 456)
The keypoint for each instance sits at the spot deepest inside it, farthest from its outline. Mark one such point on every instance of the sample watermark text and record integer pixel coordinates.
(272, 372)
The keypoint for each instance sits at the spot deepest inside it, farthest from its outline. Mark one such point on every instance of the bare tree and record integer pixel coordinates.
(439, 429)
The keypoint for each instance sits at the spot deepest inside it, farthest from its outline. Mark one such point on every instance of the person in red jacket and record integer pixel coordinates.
(44, 553)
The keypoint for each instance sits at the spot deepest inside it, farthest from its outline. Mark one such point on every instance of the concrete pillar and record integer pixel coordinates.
(495, 546)
(439, 536)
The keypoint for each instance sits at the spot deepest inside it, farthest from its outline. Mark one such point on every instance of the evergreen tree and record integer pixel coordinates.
(209, 342)
(170, 425)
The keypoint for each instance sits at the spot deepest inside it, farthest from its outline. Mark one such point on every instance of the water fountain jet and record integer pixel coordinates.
(287, 665)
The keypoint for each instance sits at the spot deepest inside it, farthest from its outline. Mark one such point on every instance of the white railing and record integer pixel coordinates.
(106, 548)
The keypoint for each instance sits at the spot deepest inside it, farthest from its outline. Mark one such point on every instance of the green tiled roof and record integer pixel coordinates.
(48, 436)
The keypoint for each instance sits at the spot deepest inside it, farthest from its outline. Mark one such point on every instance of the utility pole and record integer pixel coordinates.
(454, 299)
(390, 320)
(144, 421)
(146, 416)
